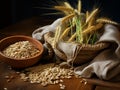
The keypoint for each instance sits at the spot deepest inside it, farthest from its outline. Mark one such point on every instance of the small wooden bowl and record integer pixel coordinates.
(20, 63)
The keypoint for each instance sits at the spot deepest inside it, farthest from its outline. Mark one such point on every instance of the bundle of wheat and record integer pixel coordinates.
(81, 28)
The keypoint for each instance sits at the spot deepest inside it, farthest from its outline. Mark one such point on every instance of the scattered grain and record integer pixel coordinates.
(6, 77)
(50, 75)
(62, 86)
(5, 89)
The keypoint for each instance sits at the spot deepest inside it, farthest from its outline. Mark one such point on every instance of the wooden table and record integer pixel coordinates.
(26, 27)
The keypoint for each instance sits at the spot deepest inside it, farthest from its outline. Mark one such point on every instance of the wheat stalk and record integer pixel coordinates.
(68, 5)
(65, 32)
(57, 35)
(66, 18)
(92, 28)
(72, 37)
(87, 14)
(79, 36)
(64, 9)
(79, 7)
(92, 15)
(106, 20)
(88, 29)
(91, 22)
(84, 29)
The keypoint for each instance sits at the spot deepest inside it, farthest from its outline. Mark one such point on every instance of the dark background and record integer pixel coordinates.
(13, 11)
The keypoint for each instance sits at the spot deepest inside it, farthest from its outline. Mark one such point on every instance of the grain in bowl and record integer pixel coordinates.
(20, 51)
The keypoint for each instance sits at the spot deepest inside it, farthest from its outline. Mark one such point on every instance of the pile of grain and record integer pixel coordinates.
(21, 50)
(50, 75)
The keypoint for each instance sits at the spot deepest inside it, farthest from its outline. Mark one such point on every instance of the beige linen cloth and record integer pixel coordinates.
(105, 65)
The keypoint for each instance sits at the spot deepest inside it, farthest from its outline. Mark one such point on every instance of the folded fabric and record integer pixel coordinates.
(106, 65)
(39, 33)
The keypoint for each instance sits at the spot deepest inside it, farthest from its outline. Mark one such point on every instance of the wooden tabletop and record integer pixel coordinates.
(26, 27)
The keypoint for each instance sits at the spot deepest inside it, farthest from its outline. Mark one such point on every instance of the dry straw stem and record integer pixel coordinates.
(66, 18)
(106, 20)
(92, 15)
(56, 37)
(65, 32)
(79, 6)
(56, 34)
(92, 28)
(72, 37)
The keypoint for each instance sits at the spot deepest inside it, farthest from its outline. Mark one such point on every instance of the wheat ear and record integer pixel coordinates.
(87, 30)
(91, 22)
(87, 14)
(92, 28)
(68, 5)
(79, 6)
(65, 32)
(63, 9)
(66, 18)
(105, 20)
(92, 15)
(57, 35)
